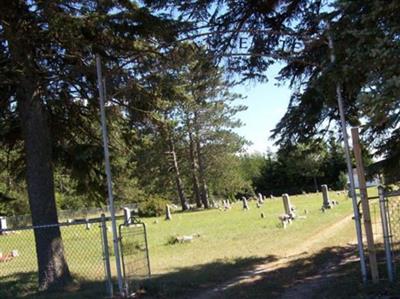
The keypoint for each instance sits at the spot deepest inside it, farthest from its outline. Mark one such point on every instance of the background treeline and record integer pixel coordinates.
(301, 167)
(144, 169)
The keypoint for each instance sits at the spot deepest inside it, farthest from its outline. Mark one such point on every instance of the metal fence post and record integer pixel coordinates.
(349, 165)
(106, 256)
(386, 236)
(147, 249)
(101, 88)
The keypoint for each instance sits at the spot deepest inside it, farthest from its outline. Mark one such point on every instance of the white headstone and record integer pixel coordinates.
(289, 210)
(260, 198)
(3, 223)
(167, 213)
(127, 215)
(87, 224)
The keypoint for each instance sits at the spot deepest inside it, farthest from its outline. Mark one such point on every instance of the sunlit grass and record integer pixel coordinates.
(225, 237)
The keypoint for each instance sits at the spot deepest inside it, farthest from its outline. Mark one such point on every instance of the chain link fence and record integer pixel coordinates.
(385, 219)
(134, 254)
(83, 250)
(88, 251)
(17, 221)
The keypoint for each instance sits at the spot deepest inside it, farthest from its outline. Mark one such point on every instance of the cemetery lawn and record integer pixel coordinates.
(229, 243)
(233, 241)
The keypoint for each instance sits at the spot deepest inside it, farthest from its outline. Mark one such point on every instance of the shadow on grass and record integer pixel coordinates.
(331, 273)
(24, 285)
(185, 282)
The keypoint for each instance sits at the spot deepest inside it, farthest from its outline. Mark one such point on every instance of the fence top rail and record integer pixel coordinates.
(392, 193)
(60, 224)
(386, 194)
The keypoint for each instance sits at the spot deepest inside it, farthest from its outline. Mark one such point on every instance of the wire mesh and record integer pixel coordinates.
(17, 221)
(393, 207)
(134, 252)
(83, 251)
(392, 211)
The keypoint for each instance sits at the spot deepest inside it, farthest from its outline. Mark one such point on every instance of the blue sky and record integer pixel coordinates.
(266, 103)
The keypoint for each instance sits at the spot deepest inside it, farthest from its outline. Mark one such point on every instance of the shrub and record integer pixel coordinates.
(153, 206)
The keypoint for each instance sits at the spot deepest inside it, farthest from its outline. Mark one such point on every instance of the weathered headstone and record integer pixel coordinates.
(326, 203)
(227, 205)
(3, 224)
(289, 210)
(167, 213)
(260, 199)
(245, 203)
(127, 215)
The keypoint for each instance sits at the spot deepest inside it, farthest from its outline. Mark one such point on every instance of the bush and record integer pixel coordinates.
(341, 184)
(153, 206)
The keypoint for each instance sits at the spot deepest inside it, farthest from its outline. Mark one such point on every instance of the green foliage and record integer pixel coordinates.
(302, 167)
(153, 206)
(342, 181)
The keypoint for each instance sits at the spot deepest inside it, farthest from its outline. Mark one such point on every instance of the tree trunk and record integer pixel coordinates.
(53, 270)
(195, 167)
(203, 184)
(52, 266)
(178, 179)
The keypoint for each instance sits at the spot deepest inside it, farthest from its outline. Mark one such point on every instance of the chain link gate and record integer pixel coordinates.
(389, 203)
(134, 253)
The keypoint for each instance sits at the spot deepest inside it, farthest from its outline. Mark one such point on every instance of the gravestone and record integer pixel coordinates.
(227, 205)
(326, 203)
(289, 210)
(3, 224)
(87, 224)
(245, 203)
(127, 215)
(260, 199)
(167, 213)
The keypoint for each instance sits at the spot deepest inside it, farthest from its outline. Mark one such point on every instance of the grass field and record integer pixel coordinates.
(229, 243)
